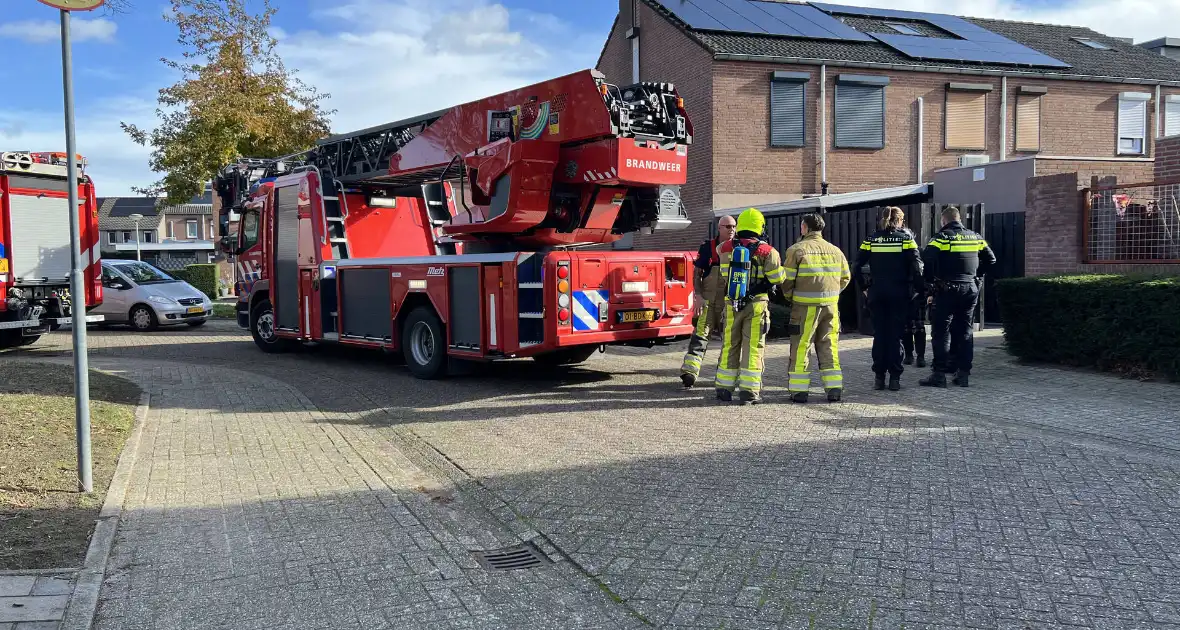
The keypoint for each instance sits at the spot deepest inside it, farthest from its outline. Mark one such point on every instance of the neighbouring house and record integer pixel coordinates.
(790, 100)
(169, 237)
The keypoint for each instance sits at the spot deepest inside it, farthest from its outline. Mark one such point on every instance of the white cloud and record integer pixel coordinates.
(1141, 19)
(400, 58)
(45, 31)
(115, 162)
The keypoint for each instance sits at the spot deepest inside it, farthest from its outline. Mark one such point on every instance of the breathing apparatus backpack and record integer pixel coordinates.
(741, 268)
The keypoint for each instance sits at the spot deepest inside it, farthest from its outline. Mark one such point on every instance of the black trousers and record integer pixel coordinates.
(914, 337)
(952, 324)
(889, 311)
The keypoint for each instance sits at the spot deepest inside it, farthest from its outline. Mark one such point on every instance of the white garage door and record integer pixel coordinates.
(40, 238)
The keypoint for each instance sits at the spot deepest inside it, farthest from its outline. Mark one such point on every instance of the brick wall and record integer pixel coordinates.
(1167, 158)
(1124, 172)
(667, 54)
(1053, 229)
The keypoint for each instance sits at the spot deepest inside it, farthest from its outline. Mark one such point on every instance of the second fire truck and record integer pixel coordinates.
(462, 234)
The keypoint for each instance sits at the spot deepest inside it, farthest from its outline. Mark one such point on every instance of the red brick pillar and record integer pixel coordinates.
(1052, 228)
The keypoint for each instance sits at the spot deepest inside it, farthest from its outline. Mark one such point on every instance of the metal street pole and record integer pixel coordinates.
(77, 290)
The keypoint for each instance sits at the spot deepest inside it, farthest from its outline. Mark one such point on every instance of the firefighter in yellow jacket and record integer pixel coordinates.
(749, 269)
(816, 273)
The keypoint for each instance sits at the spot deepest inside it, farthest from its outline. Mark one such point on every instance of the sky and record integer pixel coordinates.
(380, 60)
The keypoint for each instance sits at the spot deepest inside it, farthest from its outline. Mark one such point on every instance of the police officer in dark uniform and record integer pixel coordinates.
(895, 274)
(955, 259)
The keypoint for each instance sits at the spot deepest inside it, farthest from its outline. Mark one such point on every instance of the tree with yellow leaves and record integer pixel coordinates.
(235, 99)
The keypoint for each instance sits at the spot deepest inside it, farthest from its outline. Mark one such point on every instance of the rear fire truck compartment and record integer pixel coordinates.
(40, 249)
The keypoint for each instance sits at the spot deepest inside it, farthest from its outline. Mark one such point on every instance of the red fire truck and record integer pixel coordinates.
(461, 233)
(35, 252)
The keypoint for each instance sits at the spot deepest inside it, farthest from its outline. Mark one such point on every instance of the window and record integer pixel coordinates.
(126, 237)
(1091, 43)
(212, 235)
(148, 236)
(1028, 118)
(966, 115)
(788, 108)
(904, 29)
(1132, 122)
(249, 229)
(111, 240)
(860, 111)
(171, 229)
(1172, 115)
(191, 229)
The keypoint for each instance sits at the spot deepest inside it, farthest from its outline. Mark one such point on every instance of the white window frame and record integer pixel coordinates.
(1171, 115)
(1132, 104)
(127, 236)
(111, 240)
(149, 236)
(192, 230)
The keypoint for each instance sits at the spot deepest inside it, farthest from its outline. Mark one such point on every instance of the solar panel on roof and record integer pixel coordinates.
(761, 18)
(810, 22)
(965, 50)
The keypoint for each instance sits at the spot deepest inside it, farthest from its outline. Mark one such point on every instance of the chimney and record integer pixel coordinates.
(627, 12)
(1166, 46)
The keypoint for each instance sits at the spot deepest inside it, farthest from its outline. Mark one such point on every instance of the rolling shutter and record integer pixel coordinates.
(1172, 115)
(787, 117)
(966, 113)
(860, 116)
(40, 248)
(1028, 122)
(1132, 122)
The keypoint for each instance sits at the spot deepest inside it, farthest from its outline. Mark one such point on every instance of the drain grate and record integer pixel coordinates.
(523, 556)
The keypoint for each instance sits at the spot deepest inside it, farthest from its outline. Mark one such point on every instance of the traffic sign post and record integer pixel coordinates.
(77, 290)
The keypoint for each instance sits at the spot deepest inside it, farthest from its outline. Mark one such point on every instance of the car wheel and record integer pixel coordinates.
(262, 328)
(196, 322)
(424, 344)
(142, 318)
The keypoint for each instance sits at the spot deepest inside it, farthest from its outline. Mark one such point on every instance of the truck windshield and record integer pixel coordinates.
(143, 273)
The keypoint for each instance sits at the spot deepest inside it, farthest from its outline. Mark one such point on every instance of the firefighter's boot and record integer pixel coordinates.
(879, 381)
(835, 393)
(724, 395)
(961, 378)
(936, 379)
(748, 397)
(688, 379)
(894, 383)
(799, 397)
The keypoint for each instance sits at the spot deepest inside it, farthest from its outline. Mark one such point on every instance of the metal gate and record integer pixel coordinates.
(1005, 234)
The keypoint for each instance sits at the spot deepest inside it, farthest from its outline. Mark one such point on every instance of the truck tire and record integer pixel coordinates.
(28, 341)
(142, 318)
(424, 344)
(262, 328)
(566, 356)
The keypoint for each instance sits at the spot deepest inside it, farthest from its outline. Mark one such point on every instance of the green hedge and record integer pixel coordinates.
(204, 277)
(1120, 323)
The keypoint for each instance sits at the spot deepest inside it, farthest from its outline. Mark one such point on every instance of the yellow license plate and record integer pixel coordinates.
(628, 317)
(197, 310)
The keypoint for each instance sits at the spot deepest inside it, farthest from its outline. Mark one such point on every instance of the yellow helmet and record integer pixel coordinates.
(751, 220)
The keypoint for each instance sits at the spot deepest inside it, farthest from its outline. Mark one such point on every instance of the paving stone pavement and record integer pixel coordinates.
(33, 601)
(281, 491)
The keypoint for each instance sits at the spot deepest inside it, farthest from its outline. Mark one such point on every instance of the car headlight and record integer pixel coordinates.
(160, 299)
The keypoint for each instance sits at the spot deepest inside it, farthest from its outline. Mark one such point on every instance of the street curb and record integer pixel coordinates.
(80, 611)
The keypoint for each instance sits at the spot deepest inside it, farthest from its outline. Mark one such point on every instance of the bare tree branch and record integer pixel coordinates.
(112, 7)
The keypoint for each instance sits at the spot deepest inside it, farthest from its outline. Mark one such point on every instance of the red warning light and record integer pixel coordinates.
(563, 272)
(563, 314)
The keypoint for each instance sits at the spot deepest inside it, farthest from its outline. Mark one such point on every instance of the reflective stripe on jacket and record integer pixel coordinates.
(816, 271)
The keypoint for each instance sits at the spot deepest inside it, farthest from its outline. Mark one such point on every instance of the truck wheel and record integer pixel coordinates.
(262, 328)
(424, 344)
(28, 341)
(142, 318)
(9, 339)
(566, 356)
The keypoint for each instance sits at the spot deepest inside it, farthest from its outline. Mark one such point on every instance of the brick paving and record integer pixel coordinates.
(331, 489)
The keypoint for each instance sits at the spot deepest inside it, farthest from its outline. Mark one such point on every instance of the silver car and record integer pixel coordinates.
(141, 295)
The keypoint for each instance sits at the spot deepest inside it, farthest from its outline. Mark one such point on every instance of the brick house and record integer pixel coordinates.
(169, 237)
(778, 118)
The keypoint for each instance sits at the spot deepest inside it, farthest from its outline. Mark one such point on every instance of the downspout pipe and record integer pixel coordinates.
(921, 138)
(1159, 124)
(1003, 118)
(823, 129)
